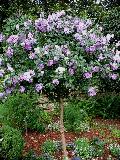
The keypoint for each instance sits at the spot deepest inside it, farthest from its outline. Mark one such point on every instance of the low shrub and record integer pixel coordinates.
(98, 147)
(83, 148)
(11, 143)
(49, 146)
(21, 111)
(107, 105)
(30, 156)
(89, 149)
(114, 149)
(46, 156)
(116, 133)
(76, 119)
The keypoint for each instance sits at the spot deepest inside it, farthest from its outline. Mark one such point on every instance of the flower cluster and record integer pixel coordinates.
(57, 51)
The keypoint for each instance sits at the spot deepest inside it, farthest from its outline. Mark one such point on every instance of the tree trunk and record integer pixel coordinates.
(62, 129)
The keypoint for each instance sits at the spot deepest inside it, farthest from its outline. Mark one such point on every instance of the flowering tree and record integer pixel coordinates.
(56, 55)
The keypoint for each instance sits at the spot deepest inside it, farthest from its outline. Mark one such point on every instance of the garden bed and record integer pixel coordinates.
(106, 130)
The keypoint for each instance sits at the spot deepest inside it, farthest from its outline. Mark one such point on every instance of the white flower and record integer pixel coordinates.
(104, 40)
(37, 50)
(109, 36)
(27, 76)
(17, 27)
(60, 70)
(117, 57)
(100, 28)
(0, 61)
(118, 44)
(46, 52)
(32, 72)
(9, 68)
(66, 58)
(57, 47)
(84, 32)
(42, 73)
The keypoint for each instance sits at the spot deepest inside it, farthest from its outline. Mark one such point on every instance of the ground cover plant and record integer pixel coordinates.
(56, 55)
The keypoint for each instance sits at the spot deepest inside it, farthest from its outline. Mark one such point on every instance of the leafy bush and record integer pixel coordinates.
(83, 148)
(111, 21)
(76, 119)
(107, 105)
(21, 111)
(88, 149)
(46, 156)
(11, 143)
(116, 133)
(114, 149)
(49, 146)
(97, 147)
(30, 156)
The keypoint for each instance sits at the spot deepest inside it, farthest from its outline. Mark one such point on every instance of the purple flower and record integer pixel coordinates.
(61, 13)
(59, 25)
(52, 18)
(13, 39)
(39, 87)
(80, 26)
(65, 50)
(66, 30)
(113, 76)
(41, 66)
(93, 36)
(0, 61)
(98, 43)
(87, 75)
(88, 22)
(9, 90)
(50, 62)
(116, 57)
(14, 80)
(92, 91)
(1, 73)
(27, 76)
(1, 37)
(95, 69)
(103, 40)
(2, 95)
(22, 37)
(32, 55)
(42, 24)
(100, 57)
(78, 37)
(114, 66)
(55, 81)
(71, 71)
(9, 52)
(27, 44)
(22, 89)
(91, 49)
(31, 38)
(71, 63)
